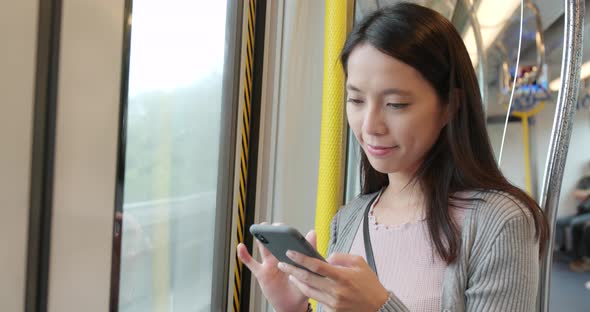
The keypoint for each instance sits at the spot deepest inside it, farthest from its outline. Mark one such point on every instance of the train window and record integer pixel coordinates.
(173, 120)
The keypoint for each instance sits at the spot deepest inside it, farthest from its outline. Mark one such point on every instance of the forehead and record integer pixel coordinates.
(368, 65)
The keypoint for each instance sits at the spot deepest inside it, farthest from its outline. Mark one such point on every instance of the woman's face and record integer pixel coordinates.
(393, 111)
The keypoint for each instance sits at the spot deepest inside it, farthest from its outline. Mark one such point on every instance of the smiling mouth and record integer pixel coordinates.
(380, 151)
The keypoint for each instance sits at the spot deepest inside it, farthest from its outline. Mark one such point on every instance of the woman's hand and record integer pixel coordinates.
(282, 295)
(347, 283)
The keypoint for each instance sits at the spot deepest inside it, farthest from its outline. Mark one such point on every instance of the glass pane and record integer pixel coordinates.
(173, 125)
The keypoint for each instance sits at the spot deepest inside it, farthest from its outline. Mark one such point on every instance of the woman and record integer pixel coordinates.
(445, 229)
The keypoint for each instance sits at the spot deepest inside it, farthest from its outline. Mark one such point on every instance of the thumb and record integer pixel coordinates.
(247, 259)
(312, 238)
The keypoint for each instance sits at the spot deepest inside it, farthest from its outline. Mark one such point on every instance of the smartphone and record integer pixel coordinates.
(280, 238)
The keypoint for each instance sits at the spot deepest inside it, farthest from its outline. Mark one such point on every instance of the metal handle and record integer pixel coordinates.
(504, 80)
(535, 73)
(481, 54)
(540, 41)
(562, 130)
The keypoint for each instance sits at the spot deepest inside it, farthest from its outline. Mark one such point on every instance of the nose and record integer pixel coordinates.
(373, 123)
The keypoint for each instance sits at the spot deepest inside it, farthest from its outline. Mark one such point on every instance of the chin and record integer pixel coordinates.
(383, 167)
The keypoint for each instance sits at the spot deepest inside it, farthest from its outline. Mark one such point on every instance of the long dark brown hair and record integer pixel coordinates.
(462, 157)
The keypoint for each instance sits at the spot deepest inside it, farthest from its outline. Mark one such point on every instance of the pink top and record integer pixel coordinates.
(407, 263)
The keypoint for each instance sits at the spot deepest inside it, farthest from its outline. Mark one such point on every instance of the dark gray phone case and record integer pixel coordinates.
(280, 238)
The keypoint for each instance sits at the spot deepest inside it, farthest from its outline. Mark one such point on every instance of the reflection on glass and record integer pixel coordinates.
(173, 120)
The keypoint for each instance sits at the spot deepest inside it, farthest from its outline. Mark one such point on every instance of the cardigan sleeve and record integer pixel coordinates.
(506, 277)
(393, 304)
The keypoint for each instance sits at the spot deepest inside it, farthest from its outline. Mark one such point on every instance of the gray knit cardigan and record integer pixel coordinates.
(498, 264)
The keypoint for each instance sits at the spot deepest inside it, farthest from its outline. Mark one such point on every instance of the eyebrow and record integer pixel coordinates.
(385, 92)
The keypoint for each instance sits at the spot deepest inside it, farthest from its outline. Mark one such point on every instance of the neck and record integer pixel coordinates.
(402, 187)
(400, 182)
(403, 198)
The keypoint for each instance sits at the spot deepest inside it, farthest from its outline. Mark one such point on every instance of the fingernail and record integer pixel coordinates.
(291, 254)
(282, 266)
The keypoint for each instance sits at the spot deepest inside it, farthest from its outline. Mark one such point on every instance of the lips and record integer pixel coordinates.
(380, 151)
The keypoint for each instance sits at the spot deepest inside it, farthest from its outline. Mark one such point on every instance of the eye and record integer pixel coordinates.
(397, 105)
(354, 101)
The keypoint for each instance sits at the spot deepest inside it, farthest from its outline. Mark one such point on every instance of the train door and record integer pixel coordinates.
(18, 60)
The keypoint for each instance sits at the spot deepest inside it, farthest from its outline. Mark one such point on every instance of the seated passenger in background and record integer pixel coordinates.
(570, 231)
(582, 248)
(582, 192)
(443, 226)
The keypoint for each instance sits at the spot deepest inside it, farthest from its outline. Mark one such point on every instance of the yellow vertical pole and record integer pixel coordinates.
(329, 175)
(527, 153)
(524, 116)
(332, 132)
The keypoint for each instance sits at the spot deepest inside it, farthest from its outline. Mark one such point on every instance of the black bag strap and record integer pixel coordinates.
(367, 237)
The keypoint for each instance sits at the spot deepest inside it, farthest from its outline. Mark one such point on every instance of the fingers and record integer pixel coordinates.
(346, 260)
(315, 265)
(311, 279)
(312, 292)
(247, 259)
(312, 238)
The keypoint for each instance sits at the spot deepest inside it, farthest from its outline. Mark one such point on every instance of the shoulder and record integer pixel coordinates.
(499, 206)
(344, 223)
(355, 206)
(494, 211)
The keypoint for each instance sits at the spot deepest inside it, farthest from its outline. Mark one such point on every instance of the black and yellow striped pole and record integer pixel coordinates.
(248, 145)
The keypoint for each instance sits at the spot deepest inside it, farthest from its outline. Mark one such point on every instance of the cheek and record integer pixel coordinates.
(404, 131)
(429, 138)
(355, 123)
(418, 134)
